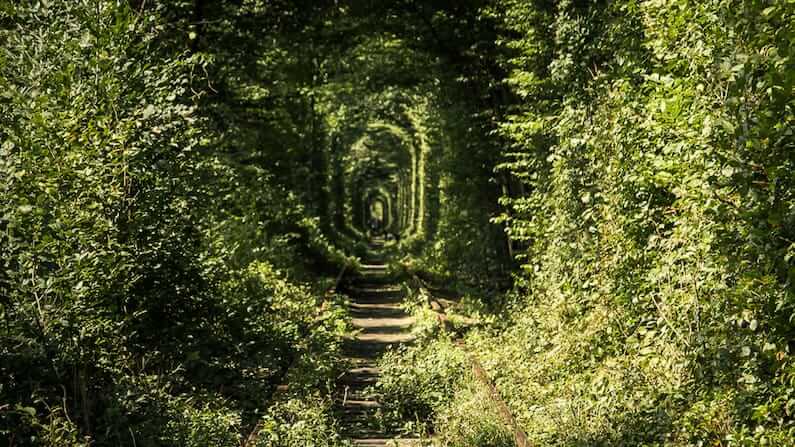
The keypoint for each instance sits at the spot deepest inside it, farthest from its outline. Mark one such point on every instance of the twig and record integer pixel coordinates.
(669, 324)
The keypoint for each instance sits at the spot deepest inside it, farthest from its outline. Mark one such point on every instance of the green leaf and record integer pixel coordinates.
(30, 411)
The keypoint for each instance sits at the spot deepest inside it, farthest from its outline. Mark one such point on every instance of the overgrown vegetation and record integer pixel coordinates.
(152, 265)
(417, 382)
(181, 181)
(431, 389)
(654, 148)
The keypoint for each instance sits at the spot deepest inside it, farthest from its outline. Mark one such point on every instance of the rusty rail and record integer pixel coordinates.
(520, 437)
(251, 439)
(502, 408)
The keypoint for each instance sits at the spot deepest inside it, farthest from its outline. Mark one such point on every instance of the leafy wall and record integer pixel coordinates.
(153, 253)
(654, 146)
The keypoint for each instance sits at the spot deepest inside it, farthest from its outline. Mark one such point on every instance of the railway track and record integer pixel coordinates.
(381, 323)
(377, 314)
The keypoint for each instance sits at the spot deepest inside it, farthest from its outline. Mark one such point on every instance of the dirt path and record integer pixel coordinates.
(375, 308)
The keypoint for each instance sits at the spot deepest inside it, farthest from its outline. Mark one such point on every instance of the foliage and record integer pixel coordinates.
(470, 419)
(654, 146)
(150, 272)
(299, 422)
(180, 179)
(431, 388)
(416, 382)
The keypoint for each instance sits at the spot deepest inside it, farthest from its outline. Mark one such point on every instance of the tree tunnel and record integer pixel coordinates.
(378, 177)
(402, 151)
(384, 166)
